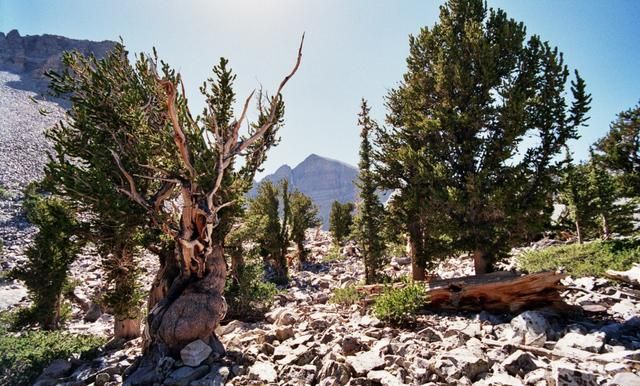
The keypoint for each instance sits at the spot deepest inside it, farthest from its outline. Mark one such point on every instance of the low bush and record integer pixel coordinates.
(589, 259)
(333, 254)
(345, 296)
(24, 355)
(251, 296)
(400, 305)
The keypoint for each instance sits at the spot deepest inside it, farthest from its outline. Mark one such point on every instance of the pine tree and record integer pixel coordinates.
(274, 229)
(474, 89)
(135, 122)
(614, 213)
(577, 196)
(369, 221)
(340, 221)
(82, 169)
(304, 215)
(619, 150)
(46, 269)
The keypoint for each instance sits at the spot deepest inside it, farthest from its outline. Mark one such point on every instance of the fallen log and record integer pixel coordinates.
(495, 292)
(631, 276)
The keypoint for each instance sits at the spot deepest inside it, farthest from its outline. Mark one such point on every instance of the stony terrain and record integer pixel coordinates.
(306, 340)
(23, 150)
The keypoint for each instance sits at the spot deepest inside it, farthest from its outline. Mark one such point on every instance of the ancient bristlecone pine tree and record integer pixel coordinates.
(180, 170)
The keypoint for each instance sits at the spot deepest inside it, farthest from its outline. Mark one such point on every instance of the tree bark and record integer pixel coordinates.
(414, 243)
(302, 256)
(481, 262)
(578, 232)
(606, 233)
(188, 291)
(237, 262)
(126, 328)
(496, 292)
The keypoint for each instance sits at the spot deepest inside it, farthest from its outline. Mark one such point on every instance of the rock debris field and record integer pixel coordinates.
(305, 339)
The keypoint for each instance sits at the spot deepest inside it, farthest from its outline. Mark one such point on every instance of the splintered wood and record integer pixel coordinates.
(495, 292)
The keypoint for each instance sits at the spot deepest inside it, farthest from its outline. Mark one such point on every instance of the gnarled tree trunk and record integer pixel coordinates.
(189, 302)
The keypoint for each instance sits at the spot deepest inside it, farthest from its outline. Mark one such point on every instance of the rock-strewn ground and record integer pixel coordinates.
(306, 340)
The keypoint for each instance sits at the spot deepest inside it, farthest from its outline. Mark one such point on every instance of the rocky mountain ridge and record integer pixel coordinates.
(30, 56)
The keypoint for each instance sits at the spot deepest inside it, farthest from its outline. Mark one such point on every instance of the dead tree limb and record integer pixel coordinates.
(496, 292)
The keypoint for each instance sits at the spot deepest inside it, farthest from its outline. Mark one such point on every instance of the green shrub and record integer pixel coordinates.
(23, 356)
(4, 194)
(396, 249)
(590, 259)
(333, 254)
(400, 305)
(251, 296)
(345, 296)
(45, 271)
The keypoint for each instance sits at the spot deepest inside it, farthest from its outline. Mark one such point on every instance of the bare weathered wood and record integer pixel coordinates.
(497, 292)
(631, 276)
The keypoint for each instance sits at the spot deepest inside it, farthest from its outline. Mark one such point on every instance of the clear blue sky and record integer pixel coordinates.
(353, 49)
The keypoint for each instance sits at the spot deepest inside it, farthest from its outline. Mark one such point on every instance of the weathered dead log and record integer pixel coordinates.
(496, 292)
(631, 276)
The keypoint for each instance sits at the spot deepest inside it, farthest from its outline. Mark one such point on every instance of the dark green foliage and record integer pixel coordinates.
(24, 356)
(369, 221)
(340, 221)
(400, 305)
(345, 296)
(269, 231)
(250, 296)
(576, 194)
(614, 213)
(107, 129)
(589, 259)
(273, 228)
(4, 194)
(594, 202)
(46, 269)
(619, 150)
(304, 215)
(474, 89)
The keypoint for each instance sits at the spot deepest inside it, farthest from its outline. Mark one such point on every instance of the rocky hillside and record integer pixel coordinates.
(323, 179)
(307, 340)
(30, 56)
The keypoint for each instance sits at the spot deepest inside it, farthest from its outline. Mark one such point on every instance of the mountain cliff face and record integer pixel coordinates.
(31, 56)
(323, 179)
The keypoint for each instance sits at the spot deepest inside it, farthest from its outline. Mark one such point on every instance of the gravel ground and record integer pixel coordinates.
(23, 154)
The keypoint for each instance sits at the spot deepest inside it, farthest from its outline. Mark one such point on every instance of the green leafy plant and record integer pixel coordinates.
(589, 259)
(333, 254)
(23, 356)
(249, 295)
(340, 221)
(345, 296)
(4, 193)
(400, 305)
(46, 268)
(477, 84)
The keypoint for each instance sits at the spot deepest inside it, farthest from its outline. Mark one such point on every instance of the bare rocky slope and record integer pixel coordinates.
(32, 55)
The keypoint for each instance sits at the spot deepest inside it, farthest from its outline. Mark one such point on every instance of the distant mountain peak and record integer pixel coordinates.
(323, 179)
